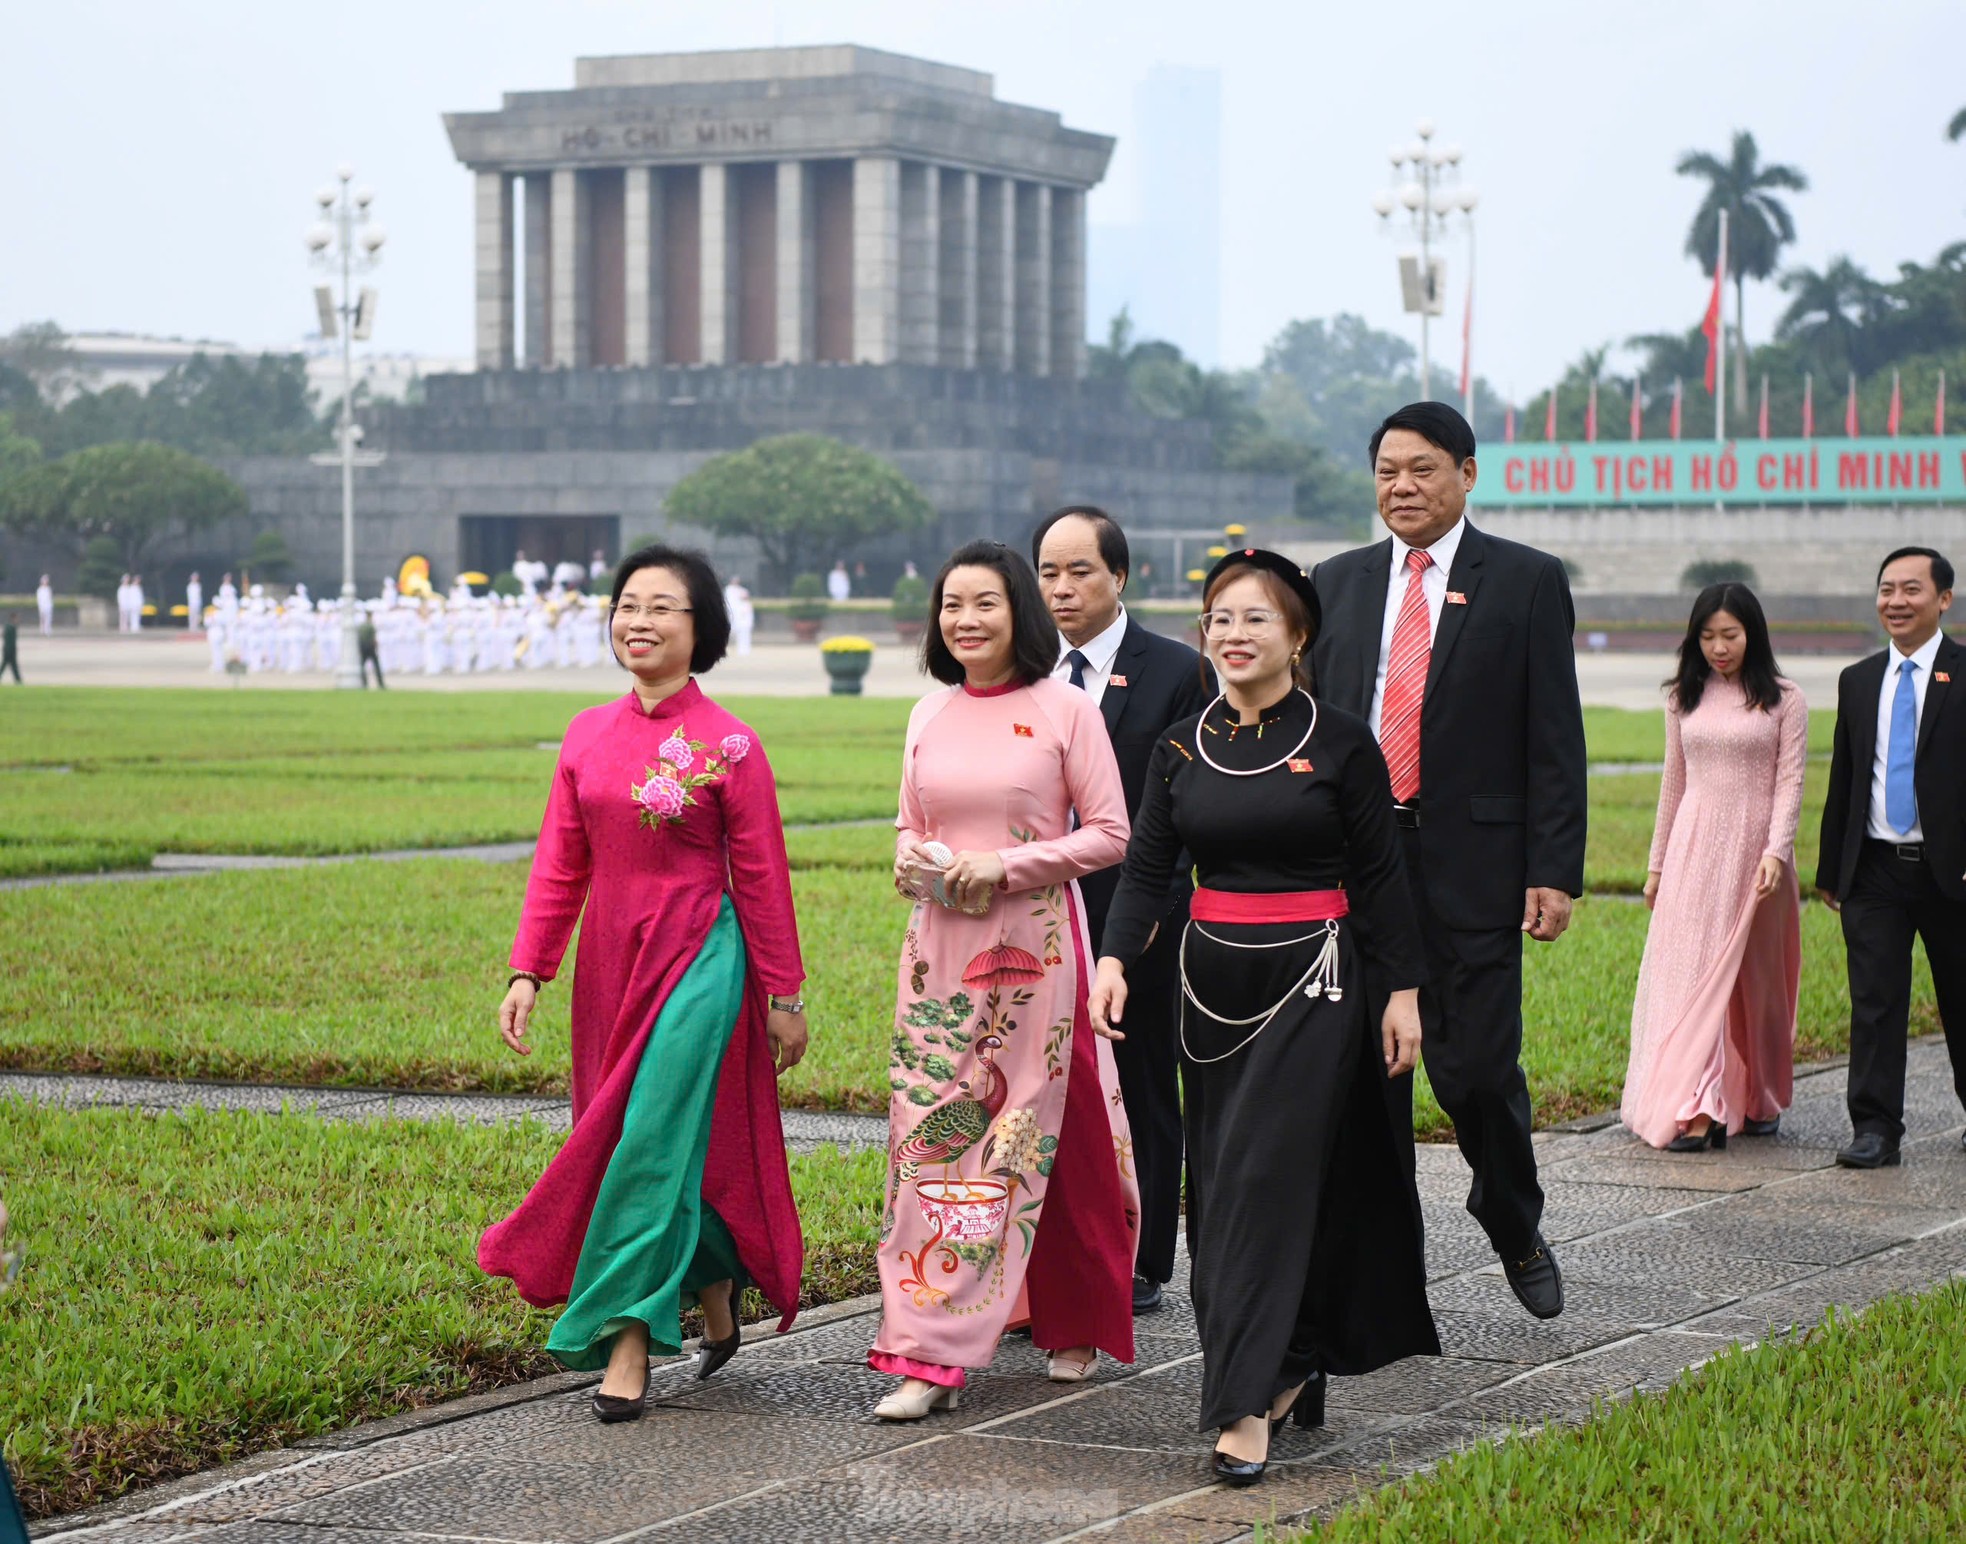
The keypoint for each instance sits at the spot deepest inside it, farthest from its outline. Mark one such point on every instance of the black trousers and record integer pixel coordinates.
(1149, 1062)
(1890, 901)
(369, 658)
(1471, 1046)
(10, 662)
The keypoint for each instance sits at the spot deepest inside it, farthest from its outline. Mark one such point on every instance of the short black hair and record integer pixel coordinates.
(1941, 569)
(1435, 422)
(1113, 551)
(706, 599)
(1033, 635)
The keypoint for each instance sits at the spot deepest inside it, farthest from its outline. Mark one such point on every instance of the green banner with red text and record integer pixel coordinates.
(1874, 470)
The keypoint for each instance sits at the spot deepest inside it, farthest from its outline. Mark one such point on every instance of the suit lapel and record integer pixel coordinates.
(1937, 691)
(1863, 733)
(1371, 620)
(1463, 580)
(1126, 667)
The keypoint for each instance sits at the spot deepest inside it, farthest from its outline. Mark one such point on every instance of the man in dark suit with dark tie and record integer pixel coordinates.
(1142, 683)
(1893, 852)
(1455, 647)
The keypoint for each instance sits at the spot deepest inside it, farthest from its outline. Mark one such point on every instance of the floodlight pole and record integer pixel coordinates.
(1432, 203)
(336, 246)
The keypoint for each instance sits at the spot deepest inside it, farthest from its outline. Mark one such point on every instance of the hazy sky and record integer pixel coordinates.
(159, 160)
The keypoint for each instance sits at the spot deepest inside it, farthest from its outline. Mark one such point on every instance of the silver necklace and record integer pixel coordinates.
(1201, 740)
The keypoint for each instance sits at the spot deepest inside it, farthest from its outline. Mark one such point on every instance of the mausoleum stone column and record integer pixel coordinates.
(1033, 303)
(956, 280)
(876, 259)
(570, 262)
(642, 253)
(495, 322)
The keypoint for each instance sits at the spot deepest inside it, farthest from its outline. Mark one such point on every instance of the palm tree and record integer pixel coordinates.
(1828, 310)
(1758, 224)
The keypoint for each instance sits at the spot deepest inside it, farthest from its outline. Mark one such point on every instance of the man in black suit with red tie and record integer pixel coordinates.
(1455, 647)
(1893, 851)
(1143, 683)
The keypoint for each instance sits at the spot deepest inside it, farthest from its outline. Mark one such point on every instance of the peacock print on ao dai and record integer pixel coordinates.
(1010, 1173)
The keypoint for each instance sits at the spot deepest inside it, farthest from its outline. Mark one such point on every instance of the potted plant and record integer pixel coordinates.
(909, 607)
(846, 659)
(807, 612)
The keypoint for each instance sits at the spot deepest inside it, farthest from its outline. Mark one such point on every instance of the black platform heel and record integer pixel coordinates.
(1306, 1410)
(1715, 1137)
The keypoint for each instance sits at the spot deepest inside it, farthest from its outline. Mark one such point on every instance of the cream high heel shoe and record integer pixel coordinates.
(1063, 1367)
(903, 1405)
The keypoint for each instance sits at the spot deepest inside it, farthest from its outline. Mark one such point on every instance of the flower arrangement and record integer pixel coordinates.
(847, 643)
(682, 767)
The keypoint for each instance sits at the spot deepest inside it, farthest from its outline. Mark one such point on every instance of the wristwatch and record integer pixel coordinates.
(787, 1004)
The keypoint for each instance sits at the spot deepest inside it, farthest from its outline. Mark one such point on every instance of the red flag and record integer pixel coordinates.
(1590, 416)
(1508, 425)
(1638, 409)
(1939, 407)
(1549, 417)
(1897, 408)
(1678, 401)
(1710, 325)
(1850, 424)
(1763, 419)
(1808, 407)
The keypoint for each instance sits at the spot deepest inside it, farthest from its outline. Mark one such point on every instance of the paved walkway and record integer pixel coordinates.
(1668, 1260)
(770, 670)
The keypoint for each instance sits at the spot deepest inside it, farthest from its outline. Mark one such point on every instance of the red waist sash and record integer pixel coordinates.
(1269, 906)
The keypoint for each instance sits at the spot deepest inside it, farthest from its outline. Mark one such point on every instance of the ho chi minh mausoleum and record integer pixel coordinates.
(686, 252)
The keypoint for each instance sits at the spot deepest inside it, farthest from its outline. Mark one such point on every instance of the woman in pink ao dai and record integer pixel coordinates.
(1713, 1021)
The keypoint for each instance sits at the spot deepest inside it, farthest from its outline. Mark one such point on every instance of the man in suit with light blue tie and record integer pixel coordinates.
(1894, 843)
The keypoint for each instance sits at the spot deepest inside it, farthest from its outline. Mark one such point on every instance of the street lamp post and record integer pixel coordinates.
(1427, 184)
(345, 241)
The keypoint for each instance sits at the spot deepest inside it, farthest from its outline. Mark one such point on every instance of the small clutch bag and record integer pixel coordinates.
(929, 883)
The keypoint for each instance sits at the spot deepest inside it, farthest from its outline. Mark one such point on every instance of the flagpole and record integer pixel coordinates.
(1720, 337)
(1467, 336)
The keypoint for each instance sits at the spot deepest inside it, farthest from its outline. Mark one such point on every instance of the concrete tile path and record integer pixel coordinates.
(1667, 1259)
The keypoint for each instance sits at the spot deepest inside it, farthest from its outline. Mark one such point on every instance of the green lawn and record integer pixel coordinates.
(1849, 1431)
(201, 1286)
(389, 974)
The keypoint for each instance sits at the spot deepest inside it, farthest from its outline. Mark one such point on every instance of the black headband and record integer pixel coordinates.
(1275, 563)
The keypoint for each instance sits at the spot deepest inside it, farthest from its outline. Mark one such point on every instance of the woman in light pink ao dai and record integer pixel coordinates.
(1713, 1021)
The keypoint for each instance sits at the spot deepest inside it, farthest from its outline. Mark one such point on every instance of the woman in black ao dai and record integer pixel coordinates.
(1301, 966)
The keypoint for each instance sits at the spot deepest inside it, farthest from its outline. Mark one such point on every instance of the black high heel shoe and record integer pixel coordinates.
(1715, 1137)
(1306, 1410)
(712, 1354)
(1238, 1472)
(610, 1408)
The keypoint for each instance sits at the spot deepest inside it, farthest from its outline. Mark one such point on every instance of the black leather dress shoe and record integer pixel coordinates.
(1146, 1295)
(1870, 1150)
(1239, 1472)
(1761, 1128)
(1538, 1283)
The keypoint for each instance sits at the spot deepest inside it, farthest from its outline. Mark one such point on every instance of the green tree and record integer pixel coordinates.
(803, 498)
(270, 561)
(1758, 223)
(1827, 312)
(102, 568)
(18, 453)
(40, 351)
(134, 494)
(1956, 130)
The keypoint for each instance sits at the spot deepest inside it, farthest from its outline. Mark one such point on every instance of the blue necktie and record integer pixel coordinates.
(1078, 662)
(1900, 801)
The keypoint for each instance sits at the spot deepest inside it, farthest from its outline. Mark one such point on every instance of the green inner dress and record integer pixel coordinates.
(653, 1241)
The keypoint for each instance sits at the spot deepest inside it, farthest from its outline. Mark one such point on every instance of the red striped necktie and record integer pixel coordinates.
(1406, 681)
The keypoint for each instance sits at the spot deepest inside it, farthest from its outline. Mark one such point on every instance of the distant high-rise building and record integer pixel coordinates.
(1166, 266)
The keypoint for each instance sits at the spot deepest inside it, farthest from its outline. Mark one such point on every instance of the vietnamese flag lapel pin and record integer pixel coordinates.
(1456, 598)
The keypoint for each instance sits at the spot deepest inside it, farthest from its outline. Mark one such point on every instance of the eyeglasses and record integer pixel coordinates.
(653, 613)
(1256, 623)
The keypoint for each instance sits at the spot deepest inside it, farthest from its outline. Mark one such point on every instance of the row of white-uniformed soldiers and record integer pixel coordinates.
(415, 634)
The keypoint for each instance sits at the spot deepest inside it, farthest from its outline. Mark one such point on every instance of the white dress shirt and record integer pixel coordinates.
(1099, 651)
(1879, 828)
(1433, 587)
